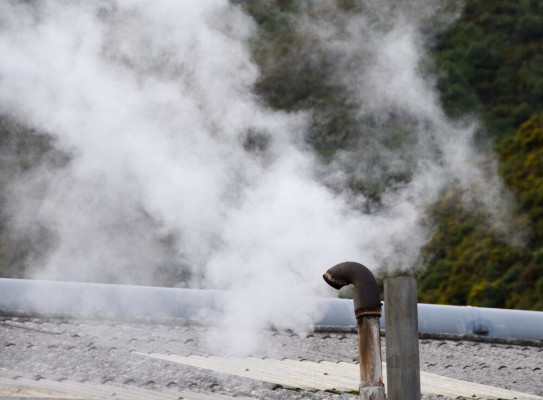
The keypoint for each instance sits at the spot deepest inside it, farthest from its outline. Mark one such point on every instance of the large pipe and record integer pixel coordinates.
(367, 309)
(454, 321)
(52, 297)
(29, 296)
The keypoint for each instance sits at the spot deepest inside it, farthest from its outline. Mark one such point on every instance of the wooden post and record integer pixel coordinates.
(402, 339)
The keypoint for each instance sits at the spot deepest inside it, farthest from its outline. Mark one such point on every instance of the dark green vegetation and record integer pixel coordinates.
(21, 151)
(488, 64)
(468, 262)
(491, 63)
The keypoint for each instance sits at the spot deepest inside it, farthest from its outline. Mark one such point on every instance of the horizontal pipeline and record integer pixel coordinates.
(73, 298)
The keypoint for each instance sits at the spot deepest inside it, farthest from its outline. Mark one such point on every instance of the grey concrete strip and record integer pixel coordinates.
(331, 376)
(46, 388)
(13, 388)
(445, 386)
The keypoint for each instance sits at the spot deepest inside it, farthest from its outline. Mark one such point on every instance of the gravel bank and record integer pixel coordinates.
(102, 352)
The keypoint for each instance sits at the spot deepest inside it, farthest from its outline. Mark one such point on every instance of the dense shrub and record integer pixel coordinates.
(467, 262)
(522, 170)
(493, 54)
(21, 149)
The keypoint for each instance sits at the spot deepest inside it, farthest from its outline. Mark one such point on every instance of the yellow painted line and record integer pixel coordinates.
(326, 375)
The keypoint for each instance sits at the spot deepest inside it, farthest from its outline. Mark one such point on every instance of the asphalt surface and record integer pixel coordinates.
(106, 352)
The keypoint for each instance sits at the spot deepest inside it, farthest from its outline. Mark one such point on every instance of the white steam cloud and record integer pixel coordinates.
(154, 102)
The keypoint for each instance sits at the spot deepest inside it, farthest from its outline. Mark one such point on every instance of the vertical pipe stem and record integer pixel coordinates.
(369, 351)
(402, 341)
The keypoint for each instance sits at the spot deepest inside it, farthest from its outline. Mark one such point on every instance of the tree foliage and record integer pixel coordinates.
(468, 262)
(487, 64)
(21, 149)
(490, 63)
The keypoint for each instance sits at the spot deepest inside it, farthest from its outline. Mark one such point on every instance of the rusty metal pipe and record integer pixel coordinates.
(367, 309)
(366, 292)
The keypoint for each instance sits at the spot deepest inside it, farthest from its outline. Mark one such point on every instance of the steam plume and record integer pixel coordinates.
(154, 103)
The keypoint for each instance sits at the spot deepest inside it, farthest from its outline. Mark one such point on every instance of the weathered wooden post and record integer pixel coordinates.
(402, 338)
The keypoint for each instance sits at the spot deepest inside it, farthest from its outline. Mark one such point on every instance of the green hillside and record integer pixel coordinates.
(21, 150)
(491, 63)
(488, 64)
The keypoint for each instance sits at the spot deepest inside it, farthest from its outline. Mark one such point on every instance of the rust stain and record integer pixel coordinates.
(369, 351)
(333, 281)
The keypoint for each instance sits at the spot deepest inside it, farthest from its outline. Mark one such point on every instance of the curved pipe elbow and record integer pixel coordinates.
(366, 298)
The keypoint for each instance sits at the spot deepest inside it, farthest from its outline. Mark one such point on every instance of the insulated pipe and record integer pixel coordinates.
(49, 297)
(367, 308)
(29, 296)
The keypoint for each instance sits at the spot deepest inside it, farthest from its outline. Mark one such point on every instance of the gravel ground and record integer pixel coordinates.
(102, 352)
